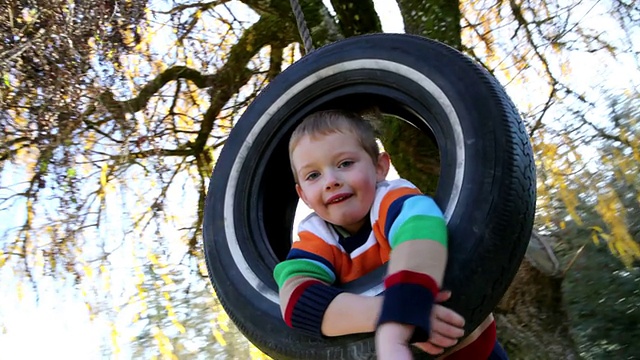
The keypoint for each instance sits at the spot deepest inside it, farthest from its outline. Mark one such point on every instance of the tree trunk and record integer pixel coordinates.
(531, 320)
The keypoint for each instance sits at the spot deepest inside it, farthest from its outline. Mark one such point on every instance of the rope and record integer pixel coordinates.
(302, 26)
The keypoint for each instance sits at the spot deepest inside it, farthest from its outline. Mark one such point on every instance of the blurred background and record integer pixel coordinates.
(112, 113)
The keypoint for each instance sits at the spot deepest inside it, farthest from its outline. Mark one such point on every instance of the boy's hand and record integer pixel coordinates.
(392, 341)
(447, 326)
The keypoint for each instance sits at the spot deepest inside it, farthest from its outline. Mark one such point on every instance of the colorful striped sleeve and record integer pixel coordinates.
(305, 280)
(415, 217)
(417, 233)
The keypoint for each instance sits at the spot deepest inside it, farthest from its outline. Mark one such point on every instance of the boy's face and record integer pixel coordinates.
(337, 178)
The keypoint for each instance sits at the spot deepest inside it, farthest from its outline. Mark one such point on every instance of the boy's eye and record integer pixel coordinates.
(312, 176)
(345, 163)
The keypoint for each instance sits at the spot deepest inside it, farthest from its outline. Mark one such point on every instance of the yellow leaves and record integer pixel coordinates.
(556, 164)
(88, 271)
(115, 346)
(222, 319)
(566, 176)
(106, 278)
(202, 269)
(29, 15)
(20, 291)
(256, 354)
(92, 42)
(90, 141)
(185, 122)
(103, 175)
(218, 336)
(6, 80)
(178, 325)
(171, 314)
(619, 240)
(92, 314)
(570, 199)
(128, 36)
(219, 324)
(105, 186)
(30, 211)
(153, 258)
(595, 228)
(163, 343)
(167, 280)
(292, 54)
(565, 68)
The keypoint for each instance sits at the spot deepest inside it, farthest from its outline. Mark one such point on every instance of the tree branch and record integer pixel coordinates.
(275, 61)
(234, 74)
(201, 5)
(356, 20)
(171, 74)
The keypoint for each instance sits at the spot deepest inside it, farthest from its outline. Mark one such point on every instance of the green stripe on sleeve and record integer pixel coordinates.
(421, 227)
(301, 267)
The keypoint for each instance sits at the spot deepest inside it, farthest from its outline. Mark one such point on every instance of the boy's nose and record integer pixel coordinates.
(332, 181)
(333, 184)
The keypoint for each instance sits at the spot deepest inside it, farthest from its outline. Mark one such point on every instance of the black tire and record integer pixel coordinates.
(486, 186)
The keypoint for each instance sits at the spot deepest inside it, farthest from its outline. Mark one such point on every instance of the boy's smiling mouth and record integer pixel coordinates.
(338, 198)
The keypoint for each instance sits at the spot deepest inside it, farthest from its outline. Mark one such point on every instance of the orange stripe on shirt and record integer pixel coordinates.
(314, 244)
(362, 264)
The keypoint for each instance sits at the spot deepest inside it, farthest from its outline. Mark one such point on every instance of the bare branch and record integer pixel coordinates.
(234, 74)
(171, 74)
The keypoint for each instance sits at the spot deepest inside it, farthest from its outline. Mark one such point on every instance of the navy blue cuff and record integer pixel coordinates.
(410, 304)
(310, 308)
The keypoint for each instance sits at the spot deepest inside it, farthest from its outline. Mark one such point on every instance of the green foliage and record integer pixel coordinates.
(602, 298)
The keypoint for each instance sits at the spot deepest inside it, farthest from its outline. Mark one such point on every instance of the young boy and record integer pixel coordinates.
(360, 222)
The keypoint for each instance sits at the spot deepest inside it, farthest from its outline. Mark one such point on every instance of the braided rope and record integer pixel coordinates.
(305, 35)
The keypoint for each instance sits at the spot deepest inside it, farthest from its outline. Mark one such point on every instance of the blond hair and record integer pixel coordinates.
(338, 121)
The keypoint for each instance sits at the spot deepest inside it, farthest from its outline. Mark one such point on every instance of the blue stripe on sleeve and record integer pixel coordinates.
(301, 254)
(416, 205)
(394, 210)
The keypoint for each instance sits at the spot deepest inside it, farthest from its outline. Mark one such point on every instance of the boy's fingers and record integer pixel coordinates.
(447, 330)
(450, 317)
(443, 296)
(442, 341)
(429, 348)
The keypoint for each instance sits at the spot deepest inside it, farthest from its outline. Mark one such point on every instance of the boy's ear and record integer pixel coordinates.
(383, 165)
(301, 194)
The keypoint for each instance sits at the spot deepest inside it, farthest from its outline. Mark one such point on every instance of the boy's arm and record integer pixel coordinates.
(305, 290)
(351, 314)
(309, 302)
(417, 234)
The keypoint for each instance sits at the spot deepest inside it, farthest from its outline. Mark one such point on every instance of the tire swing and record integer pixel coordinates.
(486, 187)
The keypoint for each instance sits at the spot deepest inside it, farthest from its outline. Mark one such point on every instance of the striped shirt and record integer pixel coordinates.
(325, 256)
